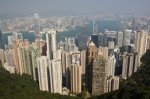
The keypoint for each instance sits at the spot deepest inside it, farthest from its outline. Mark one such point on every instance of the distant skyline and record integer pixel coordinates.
(49, 7)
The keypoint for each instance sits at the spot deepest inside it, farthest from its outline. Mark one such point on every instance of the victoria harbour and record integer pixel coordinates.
(102, 25)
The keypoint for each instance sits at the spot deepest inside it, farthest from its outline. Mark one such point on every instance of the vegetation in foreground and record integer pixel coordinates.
(14, 86)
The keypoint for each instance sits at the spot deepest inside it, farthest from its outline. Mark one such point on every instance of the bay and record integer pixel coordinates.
(112, 25)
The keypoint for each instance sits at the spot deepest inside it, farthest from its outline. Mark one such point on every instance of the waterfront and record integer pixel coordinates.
(112, 25)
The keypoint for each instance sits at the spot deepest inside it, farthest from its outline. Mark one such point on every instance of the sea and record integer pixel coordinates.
(111, 25)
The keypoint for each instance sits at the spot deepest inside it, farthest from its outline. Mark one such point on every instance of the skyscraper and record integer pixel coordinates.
(96, 70)
(37, 24)
(55, 72)
(51, 44)
(111, 44)
(83, 61)
(141, 42)
(42, 65)
(95, 28)
(119, 39)
(95, 39)
(101, 39)
(111, 65)
(75, 78)
(126, 37)
(24, 57)
(92, 52)
(16, 55)
(99, 75)
(84, 38)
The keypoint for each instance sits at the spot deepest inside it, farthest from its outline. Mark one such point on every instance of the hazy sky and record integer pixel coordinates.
(75, 6)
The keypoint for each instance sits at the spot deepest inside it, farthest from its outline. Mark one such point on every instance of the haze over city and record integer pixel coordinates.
(65, 49)
(54, 7)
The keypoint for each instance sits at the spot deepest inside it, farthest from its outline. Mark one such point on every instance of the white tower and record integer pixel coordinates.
(51, 44)
(42, 64)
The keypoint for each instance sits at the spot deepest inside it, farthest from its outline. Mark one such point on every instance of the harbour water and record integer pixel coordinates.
(112, 25)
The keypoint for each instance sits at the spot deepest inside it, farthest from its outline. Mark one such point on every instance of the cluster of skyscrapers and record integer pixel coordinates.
(94, 63)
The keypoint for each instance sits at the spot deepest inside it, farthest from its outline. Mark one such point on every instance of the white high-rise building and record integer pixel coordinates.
(75, 78)
(37, 24)
(55, 76)
(141, 43)
(119, 39)
(83, 61)
(42, 65)
(126, 37)
(51, 44)
(111, 65)
(111, 44)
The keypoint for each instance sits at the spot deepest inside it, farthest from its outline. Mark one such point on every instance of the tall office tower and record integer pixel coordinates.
(39, 43)
(61, 45)
(84, 38)
(148, 42)
(34, 51)
(101, 40)
(104, 50)
(67, 69)
(15, 55)
(111, 65)
(83, 61)
(75, 57)
(111, 44)
(119, 39)
(141, 43)
(71, 44)
(126, 37)
(51, 44)
(133, 33)
(1, 41)
(55, 76)
(135, 62)
(2, 58)
(117, 57)
(24, 57)
(42, 65)
(9, 57)
(79, 41)
(95, 28)
(37, 24)
(99, 75)
(128, 64)
(88, 40)
(105, 41)
(92, 52)
(95, 39)
(75, 78)
(112, 83)
(63, 63)
(125, 60)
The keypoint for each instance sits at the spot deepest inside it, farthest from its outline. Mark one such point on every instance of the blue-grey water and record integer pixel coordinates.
(112, 25)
